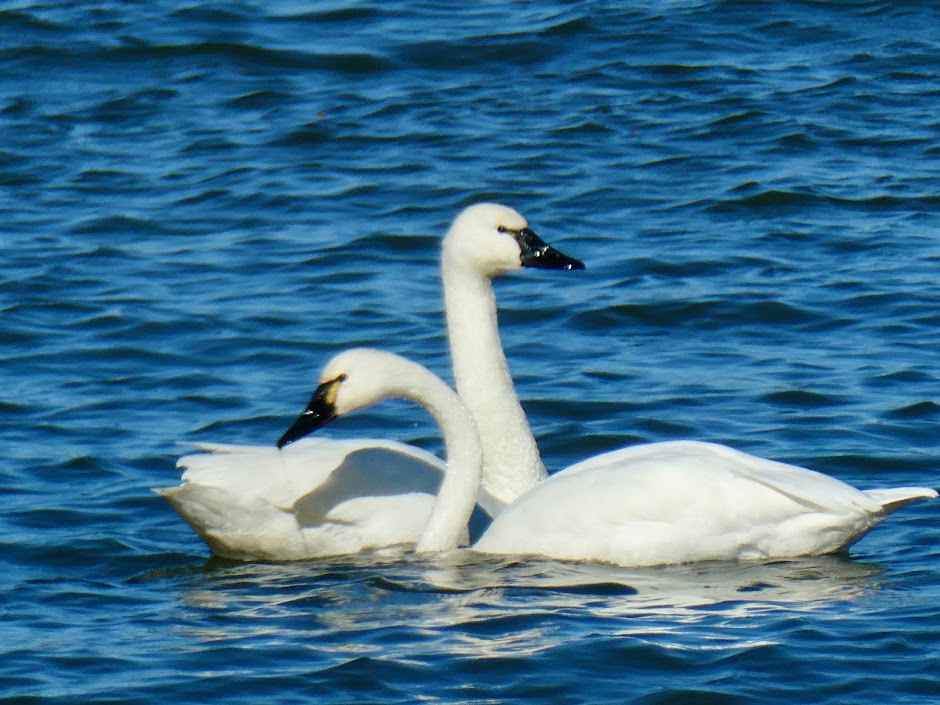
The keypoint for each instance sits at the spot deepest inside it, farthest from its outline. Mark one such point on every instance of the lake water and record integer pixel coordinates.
(203, 202)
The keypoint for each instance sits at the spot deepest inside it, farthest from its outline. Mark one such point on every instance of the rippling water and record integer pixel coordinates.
(201, 203)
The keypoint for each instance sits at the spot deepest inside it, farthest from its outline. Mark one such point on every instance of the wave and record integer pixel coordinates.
(232, 53)
(707, 314)
(788, 200)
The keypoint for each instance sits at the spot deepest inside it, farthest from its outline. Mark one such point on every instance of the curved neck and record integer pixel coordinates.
(456, 498)
(511, 460)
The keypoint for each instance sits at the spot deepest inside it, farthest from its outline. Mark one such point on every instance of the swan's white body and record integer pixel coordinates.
(252, 502)
(317, 497)
(684, 501)
(647, 505)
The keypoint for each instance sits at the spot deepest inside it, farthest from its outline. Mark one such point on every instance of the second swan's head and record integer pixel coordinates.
(495, 239)
(352, 380)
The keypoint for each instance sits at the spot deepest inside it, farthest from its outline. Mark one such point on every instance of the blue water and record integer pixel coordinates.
(201, 203)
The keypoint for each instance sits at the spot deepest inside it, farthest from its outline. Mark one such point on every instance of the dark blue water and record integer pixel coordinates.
(201, 203)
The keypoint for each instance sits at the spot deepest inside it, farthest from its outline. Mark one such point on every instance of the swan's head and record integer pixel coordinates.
(352, 380)
(495, 239)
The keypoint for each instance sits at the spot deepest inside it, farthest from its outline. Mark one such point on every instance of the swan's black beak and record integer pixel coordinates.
(319, 412)
(539, 254)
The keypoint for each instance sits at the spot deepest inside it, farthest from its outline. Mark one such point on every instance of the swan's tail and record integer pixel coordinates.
(893, 499)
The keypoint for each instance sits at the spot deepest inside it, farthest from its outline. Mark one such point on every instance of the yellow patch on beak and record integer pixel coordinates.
(330, 389)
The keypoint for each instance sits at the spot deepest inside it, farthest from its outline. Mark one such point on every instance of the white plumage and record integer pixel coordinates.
(683, 501)
(651, 504)
(316, 497)
(329, 497)
(643, 505)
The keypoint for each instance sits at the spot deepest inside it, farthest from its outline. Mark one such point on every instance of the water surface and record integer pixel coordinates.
(202, 203)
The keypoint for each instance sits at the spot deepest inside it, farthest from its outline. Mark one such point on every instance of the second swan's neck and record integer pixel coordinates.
(511, 460)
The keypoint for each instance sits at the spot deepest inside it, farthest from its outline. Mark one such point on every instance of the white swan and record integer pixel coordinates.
(647, 505)
(513, 468)
(325, 497)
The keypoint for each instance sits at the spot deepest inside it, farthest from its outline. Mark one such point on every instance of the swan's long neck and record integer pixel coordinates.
(511, 460)
(456, 498)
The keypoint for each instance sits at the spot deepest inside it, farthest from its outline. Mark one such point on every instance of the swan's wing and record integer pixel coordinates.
(815, 490)
(337, 468)
(366, 472)
(704, 462)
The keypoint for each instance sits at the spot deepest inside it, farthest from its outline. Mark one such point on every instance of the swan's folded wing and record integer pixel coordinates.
(376, 470)
(823, 493)
(340, 468)
(813, 490)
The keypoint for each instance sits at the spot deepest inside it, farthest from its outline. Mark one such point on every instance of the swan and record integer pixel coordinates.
(655, 504)
(322, 497)
(513, 467)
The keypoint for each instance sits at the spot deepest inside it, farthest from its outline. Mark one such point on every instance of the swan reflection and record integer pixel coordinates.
(487, 606)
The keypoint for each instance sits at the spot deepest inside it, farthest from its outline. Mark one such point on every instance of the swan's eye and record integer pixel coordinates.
(341, 378)
(502, 229)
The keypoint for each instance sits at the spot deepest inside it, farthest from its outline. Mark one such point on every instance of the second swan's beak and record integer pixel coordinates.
(539, 254)
(319, 412)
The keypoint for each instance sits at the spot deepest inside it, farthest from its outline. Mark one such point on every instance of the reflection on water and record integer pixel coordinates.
(485, 606)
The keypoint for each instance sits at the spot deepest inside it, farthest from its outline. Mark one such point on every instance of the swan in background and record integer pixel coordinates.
(653, 504)
(513, 467)
(325, 497)
(470, 258)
